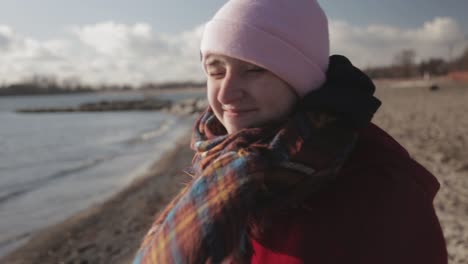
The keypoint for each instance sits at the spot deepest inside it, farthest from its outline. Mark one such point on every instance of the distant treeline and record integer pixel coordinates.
(172, 85)
(404, 66)
(45, 85)
(33, 88)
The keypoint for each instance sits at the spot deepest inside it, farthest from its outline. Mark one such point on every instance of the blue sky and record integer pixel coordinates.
(46, 37)
(46, 18)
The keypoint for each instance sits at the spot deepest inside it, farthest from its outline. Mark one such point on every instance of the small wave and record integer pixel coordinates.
(31, 164)
(8, 244)
(35, 184)
(163, 128)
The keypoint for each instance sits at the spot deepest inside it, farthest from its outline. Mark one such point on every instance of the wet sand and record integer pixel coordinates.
(433, 126)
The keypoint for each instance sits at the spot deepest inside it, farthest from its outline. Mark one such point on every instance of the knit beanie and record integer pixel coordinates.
(287, 37)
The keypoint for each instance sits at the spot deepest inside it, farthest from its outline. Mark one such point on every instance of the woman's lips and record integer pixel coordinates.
(235, 112)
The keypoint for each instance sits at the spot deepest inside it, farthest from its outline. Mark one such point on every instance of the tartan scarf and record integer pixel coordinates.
(208, 220)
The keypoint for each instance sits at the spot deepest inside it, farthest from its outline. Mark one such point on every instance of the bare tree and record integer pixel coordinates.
(461, 63)
(405, 61)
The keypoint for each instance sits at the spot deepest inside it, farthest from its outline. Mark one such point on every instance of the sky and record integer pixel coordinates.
(138, 41)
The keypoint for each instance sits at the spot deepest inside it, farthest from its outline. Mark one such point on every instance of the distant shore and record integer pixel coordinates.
(186, 106)
(46, 86)
(149, 102)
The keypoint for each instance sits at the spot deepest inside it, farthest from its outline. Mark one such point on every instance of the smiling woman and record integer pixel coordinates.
(242, 94)
(288, 167)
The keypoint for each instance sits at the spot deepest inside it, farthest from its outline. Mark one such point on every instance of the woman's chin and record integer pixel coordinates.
(233, 127)
(235, 124)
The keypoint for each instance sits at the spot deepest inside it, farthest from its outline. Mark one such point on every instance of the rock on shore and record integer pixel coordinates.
(182, 107)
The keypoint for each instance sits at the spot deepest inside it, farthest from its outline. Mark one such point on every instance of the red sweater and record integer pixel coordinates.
(378, 211)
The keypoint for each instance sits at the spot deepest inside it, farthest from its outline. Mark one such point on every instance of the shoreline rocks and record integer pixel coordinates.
(182, 107)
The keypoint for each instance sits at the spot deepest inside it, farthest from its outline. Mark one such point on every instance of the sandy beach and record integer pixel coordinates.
(432, 125)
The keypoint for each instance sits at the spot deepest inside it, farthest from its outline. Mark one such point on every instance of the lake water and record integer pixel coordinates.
(54, 165)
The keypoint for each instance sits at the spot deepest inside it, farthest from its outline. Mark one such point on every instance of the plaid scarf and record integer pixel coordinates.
(209, 219)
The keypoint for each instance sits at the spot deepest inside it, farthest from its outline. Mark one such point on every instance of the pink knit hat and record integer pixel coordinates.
(287, 37)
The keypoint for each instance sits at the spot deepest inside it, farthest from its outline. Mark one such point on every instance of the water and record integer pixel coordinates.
(54, 165)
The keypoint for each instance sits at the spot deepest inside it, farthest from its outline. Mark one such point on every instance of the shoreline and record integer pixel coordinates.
(111, 231)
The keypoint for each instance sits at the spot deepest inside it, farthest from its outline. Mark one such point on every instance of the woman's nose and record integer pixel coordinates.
(231, 89)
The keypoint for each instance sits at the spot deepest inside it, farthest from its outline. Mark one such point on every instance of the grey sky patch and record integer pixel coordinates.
(5, 37)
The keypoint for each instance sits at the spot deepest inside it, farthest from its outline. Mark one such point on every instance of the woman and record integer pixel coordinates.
(287, 166)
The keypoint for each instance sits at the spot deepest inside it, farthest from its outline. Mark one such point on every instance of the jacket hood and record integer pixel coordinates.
(377, 147)
(347, 92)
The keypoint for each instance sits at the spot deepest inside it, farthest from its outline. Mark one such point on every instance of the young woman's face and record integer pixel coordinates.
(244, 95)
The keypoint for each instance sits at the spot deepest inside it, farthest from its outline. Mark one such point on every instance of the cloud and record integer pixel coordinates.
(121, 40)
(377, 44)
(22, 57)
(105, 52)
(136, 54)
(5, 37)
(111, 52)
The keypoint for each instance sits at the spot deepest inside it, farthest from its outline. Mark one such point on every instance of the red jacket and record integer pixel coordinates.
(378, 211)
